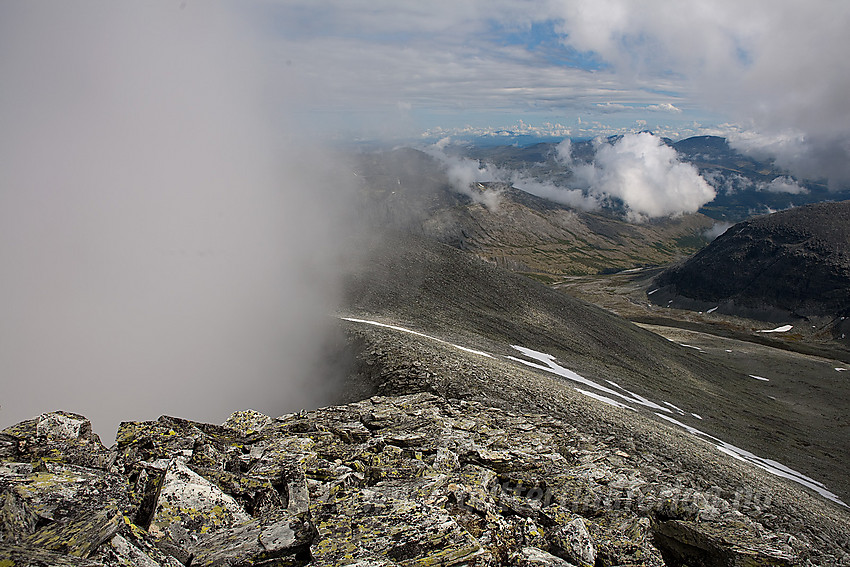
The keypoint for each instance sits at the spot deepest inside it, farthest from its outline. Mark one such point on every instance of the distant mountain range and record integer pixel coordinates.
(745, 186)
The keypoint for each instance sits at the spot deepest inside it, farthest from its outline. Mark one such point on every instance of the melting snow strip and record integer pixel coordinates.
(690, 346)
(549, 365)
(769, 465)
(605, 399)
(759, 378)
(782, 329)
(713, 309)
(678, 409)
(839, 369)
(418, 334)
(651, 292)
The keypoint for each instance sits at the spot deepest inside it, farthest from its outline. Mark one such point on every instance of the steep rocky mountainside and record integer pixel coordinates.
(444, 292)
(791, 264)
(409, 190)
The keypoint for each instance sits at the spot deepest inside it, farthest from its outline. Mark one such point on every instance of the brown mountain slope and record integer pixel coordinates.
(409, 190)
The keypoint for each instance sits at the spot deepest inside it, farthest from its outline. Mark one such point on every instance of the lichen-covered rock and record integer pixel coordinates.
(80, 536)
(17, 518)
(272, 537)
(22, 556)
(409, 480)
(726, 543)
(247, 422)
(55, 437)
(534, 557)
(574, 543)
(60, 492)
(356, 524)
(195, 505)
(63, 425)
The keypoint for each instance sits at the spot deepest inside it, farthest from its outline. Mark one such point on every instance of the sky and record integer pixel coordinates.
(769, 74)
(172, 208)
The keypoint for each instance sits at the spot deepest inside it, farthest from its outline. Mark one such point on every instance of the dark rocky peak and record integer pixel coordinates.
(791, 264)
(703, 145)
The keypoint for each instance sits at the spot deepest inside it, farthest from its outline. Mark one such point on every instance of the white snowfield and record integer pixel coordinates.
(620, 397)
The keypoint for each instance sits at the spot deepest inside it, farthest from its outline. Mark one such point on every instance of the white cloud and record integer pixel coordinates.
(664, 107)
(638, 171)
(647, 176)
(576, 198)
(775, 66)
(564, 152)
(727, 183)
(783, 184)
(779, 66)
(717, 229)
(464, 173)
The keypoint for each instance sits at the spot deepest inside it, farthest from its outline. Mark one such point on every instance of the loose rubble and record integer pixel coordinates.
(403, 480)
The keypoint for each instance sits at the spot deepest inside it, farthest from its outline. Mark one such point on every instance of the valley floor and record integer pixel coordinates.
(806, 373)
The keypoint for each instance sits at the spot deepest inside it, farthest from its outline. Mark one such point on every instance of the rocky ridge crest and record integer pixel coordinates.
(415, 479)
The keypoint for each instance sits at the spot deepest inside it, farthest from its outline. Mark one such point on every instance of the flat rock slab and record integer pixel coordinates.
(263, 539)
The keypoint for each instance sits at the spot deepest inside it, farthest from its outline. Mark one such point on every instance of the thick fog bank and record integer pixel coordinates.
(167, 243)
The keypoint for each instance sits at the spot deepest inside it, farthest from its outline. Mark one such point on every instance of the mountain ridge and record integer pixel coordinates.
(789, 265)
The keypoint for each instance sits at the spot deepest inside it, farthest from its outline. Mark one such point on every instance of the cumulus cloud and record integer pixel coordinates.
(782, 184)
(638, 173)
(664, 107)
(773, 66)
(166, 247)
(727, 183)
(564, 152)
(646, 176)
(576, 198)
(778, 67)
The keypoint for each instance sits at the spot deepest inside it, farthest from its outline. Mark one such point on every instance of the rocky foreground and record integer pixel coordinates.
(392, 480)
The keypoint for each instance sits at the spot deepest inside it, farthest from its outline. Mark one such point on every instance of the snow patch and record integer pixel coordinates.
(651, 292)
(712, 310)
(759, 378)
(549, 365)
(769, 465)
(418, 334)
(782, 329)
(605, 399)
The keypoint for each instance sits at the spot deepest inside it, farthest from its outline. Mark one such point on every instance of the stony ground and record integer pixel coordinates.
(416, 479)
